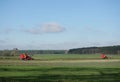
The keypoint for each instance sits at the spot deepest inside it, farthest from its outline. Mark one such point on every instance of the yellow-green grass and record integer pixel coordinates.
(59, 74)
(60, 68)
(63, 56)
(71, 56)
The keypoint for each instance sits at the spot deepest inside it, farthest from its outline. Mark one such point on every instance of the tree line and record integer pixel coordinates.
(94, 50)
(42, 51)
(85, 50)
(15, 52)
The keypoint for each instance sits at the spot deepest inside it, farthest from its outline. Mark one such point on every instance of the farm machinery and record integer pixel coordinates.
(103, 56)
(25, 56)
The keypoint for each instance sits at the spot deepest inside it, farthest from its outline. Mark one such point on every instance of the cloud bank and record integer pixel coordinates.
(2, 41)
(46, 28)
(6, 30)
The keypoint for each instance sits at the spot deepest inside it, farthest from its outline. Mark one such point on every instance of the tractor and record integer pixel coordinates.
(25, 56)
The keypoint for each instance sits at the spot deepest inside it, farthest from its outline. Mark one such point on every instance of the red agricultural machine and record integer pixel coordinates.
(25, 57)
(103, 56)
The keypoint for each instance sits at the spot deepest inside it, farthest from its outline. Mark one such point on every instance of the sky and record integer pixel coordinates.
(59, 24)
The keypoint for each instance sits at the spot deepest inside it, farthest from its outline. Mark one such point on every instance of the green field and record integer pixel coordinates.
(60, 68)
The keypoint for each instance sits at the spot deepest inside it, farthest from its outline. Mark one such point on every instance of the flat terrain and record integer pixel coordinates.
(60, 68)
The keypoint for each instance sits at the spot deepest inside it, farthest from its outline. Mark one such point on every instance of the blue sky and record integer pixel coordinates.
(59, 24)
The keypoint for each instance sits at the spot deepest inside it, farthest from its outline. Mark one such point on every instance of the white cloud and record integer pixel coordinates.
(46, 28)
(34, 31)
(2, 41)
(93, 29)
(6, 30)
(55, 46)
(52, 27)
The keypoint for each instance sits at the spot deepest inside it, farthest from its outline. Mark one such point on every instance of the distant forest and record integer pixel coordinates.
(42, 51)
(95, 50)
(15, 51)
(85, 50)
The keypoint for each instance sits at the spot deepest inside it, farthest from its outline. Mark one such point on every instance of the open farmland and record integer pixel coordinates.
(60, 68)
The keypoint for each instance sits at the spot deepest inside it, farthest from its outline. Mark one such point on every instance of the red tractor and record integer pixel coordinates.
(25, 57)
(103, 56)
